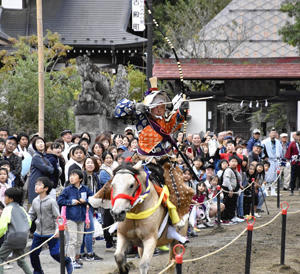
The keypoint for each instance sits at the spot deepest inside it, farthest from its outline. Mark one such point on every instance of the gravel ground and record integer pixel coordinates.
(265, 256)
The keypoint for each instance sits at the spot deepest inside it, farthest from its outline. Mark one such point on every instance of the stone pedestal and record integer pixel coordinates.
(95, 124)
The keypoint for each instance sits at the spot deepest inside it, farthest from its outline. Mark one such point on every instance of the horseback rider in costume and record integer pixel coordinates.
(155, 121)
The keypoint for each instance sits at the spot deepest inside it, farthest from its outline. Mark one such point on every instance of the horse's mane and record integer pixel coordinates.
(127, 166)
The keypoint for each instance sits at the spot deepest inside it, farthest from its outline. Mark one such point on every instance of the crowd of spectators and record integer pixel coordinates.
(73, 167)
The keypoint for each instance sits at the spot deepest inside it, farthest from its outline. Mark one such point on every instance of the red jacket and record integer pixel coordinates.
(292, 151)
(226, 156)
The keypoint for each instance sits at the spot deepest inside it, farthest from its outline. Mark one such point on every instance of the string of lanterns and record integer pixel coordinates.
(257, 103)
(103, 51)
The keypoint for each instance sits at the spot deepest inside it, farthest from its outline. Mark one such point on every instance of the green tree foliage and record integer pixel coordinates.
(19, 86)
(182, 20)
(137, 81)
(274, 116)
(291, 31)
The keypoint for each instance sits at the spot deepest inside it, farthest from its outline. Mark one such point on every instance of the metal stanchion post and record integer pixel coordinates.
(219, 206)
(278, 189)
(284, 208)
(252, 196)
(61, 221)
(178, 257)
(250, 223)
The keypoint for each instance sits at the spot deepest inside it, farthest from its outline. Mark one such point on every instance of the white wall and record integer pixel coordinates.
(198, 111)
(12, 4)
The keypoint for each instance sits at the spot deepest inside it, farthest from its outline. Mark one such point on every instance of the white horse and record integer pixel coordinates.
(137, 206)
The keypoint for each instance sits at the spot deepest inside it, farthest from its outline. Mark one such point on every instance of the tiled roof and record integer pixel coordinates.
(246, 29)
(234, 68)
(87, 23)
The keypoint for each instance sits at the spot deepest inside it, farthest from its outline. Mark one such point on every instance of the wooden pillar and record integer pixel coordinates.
(39, 16)
(149, 44)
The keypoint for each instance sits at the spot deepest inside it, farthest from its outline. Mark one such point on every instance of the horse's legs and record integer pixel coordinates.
(148, 250)
(140, 251)
(120, 254)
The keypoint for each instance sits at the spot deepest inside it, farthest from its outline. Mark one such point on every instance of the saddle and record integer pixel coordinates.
(164, 173)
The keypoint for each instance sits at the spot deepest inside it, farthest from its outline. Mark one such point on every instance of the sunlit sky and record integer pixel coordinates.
(12, 4)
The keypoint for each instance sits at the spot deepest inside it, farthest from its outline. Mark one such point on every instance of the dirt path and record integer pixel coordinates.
(265, 256)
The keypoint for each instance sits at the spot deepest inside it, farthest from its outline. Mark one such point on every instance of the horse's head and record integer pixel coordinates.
(126, 187)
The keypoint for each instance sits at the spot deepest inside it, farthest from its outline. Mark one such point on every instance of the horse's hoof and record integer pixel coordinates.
(128, 266)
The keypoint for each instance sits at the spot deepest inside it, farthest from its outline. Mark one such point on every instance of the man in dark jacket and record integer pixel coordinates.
(254, 155)
(14, 160)
(254, 139)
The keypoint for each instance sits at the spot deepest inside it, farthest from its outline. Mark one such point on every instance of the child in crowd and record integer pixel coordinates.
(120, 159)
(75, 197)
(2, 206)
(3, 183)
(247, 202)
(212, 193)
(180, 162)
(223, 164)
(231, 184)
(260, 186)
(240, 201)
(2, 146)
(187, 178)
(45, 211)
(14, 224)
(198, 167)
(198, 211)
(11, 177)
(268, 179)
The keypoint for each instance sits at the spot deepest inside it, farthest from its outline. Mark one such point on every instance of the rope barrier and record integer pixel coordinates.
(168, 267)
(25, 254)
(272, 220)
(48, 240)
(276, 178)
(218, 250)
(230, 243)
(88, 232)
(237, 192)
(209, 199)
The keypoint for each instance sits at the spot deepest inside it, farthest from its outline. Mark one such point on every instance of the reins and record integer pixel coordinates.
(139, 197)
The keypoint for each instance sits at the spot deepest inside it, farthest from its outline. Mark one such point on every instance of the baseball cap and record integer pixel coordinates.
(65, 132)
(256, 130)
(12, 138)
(208, 165)
(283, 135)
(122, 148)
(257, 144)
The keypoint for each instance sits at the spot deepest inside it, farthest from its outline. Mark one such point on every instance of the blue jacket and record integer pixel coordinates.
(251, 143)
(53, 159)
(40, 167)
(104, 177)
(74, 213)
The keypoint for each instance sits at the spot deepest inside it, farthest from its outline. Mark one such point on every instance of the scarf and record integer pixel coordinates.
(278, 148)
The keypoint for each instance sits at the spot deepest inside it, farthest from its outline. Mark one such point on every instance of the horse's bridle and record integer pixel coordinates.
(136, 193)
